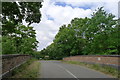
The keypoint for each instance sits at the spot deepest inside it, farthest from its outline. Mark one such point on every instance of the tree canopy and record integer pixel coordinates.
(16, 37)
(18, 11)
(97, 35)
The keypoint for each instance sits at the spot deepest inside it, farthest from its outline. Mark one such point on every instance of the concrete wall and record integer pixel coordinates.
(113, 60)
(9, 62)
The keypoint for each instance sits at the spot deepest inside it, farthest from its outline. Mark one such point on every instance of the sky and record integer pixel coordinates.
(55, 13)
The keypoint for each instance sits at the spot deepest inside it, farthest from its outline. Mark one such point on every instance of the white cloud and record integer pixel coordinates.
(63, 15)
(53, 16)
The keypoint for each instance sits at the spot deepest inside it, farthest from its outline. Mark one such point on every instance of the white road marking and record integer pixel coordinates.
(68, 72)
(71, 74)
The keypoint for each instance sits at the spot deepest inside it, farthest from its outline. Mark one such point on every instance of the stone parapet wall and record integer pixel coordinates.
(11, 61)
(100, 59)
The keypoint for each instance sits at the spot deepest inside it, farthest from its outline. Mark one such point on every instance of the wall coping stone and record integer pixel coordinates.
(95, 56)
(13, 55)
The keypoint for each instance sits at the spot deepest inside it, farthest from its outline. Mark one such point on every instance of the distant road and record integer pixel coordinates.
(57, 69)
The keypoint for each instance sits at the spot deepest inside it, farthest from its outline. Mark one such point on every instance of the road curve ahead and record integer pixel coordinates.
(57, 69)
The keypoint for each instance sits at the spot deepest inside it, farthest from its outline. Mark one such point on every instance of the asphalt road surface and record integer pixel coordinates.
(57, 69)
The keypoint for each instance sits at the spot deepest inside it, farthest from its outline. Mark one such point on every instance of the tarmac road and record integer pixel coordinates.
(57, 69)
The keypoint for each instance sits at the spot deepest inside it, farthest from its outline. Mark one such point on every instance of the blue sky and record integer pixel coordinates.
(49, 17)
(63, 4)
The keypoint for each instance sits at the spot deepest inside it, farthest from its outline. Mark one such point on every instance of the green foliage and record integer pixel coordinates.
(23, 41)
(0, 45)
(18, 11)
(99, 31)
(8, 45)
(97, 35)
(29, 69)
(17, 38)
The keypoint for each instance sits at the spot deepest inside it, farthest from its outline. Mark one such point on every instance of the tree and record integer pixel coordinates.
(8, 45)
(18, 11)
(20, 39)
(23, 41)
(13, 13)
(97, 35)
(98, 32)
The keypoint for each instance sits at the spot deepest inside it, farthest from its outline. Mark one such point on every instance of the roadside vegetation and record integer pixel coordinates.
(30, 69)
(105, 69)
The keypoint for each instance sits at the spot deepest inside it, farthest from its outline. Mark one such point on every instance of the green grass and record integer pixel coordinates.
(106, 69)
(30, 69)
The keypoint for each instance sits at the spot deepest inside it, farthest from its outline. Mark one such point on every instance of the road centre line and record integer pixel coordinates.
(68, 71)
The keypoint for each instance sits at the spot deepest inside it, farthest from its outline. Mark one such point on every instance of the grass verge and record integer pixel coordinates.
(106, 69)
(30, 69)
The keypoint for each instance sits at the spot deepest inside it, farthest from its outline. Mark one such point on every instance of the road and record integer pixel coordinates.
(57, 69)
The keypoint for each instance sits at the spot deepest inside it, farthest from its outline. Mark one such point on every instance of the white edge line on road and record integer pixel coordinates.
(68, 71)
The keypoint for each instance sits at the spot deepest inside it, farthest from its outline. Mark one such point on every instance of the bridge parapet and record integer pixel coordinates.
(111, 60)
(11, 61)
